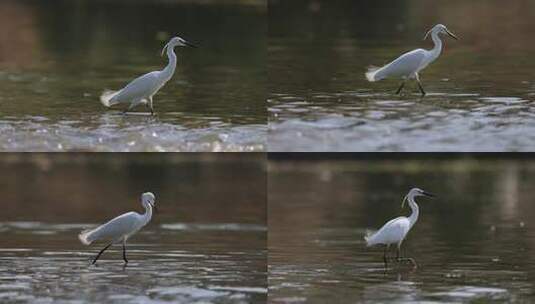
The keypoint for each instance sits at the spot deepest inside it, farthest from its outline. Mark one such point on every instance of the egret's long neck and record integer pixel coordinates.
(415, 211)
(435, 52)
(148, 213)
(169, 70)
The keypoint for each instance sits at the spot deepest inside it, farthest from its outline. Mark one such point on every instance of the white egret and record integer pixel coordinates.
(141, 89)
(119, 229)
(395, 231)
(408, 65)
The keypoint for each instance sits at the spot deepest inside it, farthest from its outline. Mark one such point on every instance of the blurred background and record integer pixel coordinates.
(207, 242)
(473, 243)
(56, 58)
(481, 85)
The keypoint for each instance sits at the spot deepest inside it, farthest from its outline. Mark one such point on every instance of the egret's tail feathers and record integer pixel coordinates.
(375, 73)
(84, 237)
(107, 98)
(90, 235)
(369, 238)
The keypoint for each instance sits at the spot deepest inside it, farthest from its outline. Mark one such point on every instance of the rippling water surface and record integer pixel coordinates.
(473, 244)
(59, 57)
(215, 264)
(480, 90)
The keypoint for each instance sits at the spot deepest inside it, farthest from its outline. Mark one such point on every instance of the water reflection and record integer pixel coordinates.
(192, 251)
(56, 65)
(319, 51)
(473, 243)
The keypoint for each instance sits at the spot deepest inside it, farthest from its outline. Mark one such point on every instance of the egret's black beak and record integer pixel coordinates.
(154, 207)
(451, 35)
(190, 44)
(428, 194)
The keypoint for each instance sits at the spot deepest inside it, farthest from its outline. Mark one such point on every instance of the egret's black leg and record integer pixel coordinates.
(398, 254)
(419, 84)
(130, 107)
(400, 88)
(385, 258)
(98, 255)
(421, 88)
(124, 254)
(151, 107)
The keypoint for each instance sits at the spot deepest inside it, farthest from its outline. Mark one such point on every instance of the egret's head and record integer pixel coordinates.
(177, 41)
(148, 198)
(414, 192)
(440, 29)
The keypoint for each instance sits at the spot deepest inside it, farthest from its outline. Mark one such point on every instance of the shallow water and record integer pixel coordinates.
(206, 243)
(212, 265)
(115, 132)
(54, 67)
(473, 243)
(480, 90)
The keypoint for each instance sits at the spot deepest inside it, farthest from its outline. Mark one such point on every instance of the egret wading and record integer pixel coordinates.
(119, 229)
(395, 231)
(409, 65)
(142, 89)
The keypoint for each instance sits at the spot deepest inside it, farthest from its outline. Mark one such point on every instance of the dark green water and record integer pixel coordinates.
(480, 90)
(206, 243)
(58, 57)
(473, 244)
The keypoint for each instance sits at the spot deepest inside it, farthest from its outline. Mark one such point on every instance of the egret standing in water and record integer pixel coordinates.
(395, 231)
(408, 65)
(119, 229)
(141, 89)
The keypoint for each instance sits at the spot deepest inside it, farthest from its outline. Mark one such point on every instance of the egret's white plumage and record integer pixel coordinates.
(119, 229)
(391, 233)
(405, 66)
(395, 231)
(408, 65)
(142, 89)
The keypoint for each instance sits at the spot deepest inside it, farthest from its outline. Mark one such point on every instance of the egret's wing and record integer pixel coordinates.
(391, 232)
(113, 230)
(403, 66)
(141, 87)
